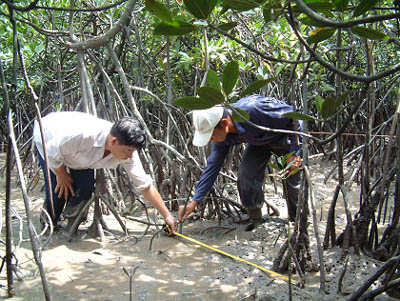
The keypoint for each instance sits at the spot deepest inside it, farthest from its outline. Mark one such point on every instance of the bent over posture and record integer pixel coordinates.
(216, 124)
(77, 143)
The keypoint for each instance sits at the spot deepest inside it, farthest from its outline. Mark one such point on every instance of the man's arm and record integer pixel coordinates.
(215, 161)
(143, 184)
(152, 195)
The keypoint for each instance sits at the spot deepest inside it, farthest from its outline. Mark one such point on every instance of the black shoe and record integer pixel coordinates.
(254, 213)
(255, 223)
(71, 211)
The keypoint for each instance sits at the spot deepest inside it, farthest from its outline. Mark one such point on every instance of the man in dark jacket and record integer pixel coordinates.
(216, 125)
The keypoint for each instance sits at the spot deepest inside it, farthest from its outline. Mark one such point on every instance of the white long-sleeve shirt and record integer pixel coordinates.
(78, 141)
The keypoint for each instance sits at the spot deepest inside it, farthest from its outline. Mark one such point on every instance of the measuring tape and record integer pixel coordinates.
(269, 272)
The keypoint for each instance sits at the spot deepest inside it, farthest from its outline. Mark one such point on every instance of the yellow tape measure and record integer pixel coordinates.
(269, 272)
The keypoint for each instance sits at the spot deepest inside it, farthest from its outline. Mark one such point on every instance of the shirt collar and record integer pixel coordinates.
(100, 140)
(241, 130)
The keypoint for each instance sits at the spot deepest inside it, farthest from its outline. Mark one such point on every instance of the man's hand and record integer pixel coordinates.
(171, 222)
(189, 209)
(153, 196)
(296, 164)
(64, 182)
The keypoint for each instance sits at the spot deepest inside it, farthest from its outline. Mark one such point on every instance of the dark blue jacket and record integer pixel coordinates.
(263, 111)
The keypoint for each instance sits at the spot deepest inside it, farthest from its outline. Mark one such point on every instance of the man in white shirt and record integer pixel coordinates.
(77, 143)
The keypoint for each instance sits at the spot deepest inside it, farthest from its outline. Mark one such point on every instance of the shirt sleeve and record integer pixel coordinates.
(141, 180)
(54, 155)
(215, 161)
(52, 147)
(58, 144)
(57, 148)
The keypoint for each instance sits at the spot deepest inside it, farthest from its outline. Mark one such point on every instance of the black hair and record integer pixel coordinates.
(129, 131)
(224, 115)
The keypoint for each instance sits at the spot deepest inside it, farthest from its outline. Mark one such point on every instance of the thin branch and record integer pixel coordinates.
(34, 243)
(264, 56)
(331, 67)
(9, 249)
(46, 32)
(316, 232)
(33, 6)
(115, 213)
(357, 294)
(345, 24)
(106, 37)
(30, 6)
(167, 107)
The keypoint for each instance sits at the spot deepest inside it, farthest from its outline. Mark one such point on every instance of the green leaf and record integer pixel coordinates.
(293, 172)
(227, 26)
(341, 5)
(318, 103)
(310, 22)
(342, 98)
(211, 95)
(280, 160)
(39, 48)
(330, 105)
(176, 28)
(213, 80)
(224, 10)
(300, 116)
(327, 13)
(159, 10)
(200, 8)
(255, 86)
(116, 12)
(240, 115)
(59, 107)
(285, 157)
(368, 33)
(230, 77)
(192, 103)
(321, 35)
(30, 49)
(267, 13)
(320, 6)
(273, 166)
(241, 5)
(363, 7)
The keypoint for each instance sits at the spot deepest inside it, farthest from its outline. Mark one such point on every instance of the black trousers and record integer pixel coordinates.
(251, 176)
(83, 186)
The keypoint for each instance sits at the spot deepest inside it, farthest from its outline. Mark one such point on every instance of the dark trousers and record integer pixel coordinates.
(83, 185)
(251, 176)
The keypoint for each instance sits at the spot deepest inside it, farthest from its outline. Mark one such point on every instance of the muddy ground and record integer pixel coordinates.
(175, 269)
